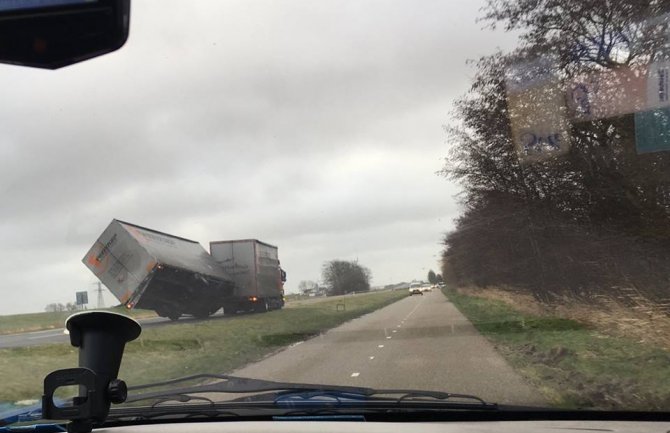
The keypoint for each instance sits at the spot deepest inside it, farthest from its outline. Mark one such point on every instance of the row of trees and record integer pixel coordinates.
(434, 278)
(594, 219)
(341, 277)
(58, 307)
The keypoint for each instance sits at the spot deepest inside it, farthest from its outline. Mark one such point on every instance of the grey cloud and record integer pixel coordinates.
(313, 125)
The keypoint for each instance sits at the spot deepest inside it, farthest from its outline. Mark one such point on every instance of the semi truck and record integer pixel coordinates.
(175, 276)
(253, 266)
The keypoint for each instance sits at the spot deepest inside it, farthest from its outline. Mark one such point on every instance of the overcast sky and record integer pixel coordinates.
(316, 126)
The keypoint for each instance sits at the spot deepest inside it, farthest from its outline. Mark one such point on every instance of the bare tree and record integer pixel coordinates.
(307, 286)
(590, 218)
(343, 277)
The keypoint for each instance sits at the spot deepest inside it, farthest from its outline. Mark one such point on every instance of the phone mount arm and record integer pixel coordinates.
(101, 338)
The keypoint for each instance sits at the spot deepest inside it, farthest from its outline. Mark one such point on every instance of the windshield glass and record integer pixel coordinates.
(267, 186)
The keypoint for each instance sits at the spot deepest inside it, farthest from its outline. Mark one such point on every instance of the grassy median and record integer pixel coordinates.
(575, 365)
(218, 345)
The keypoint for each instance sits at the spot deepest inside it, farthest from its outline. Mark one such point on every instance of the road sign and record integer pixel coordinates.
(82, 298)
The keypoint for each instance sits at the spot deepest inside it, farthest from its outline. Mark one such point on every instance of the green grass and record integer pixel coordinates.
(218, 345)
(574, 365)
(41, 321)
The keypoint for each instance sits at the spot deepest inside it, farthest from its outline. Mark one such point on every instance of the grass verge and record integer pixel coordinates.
(17, 323)
(573, 364)
(218, 345)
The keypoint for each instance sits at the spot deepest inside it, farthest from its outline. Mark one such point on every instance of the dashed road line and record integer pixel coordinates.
(355, 374)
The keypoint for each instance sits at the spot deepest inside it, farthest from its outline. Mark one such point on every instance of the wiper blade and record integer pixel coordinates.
(232, 385)
(397, 396)
(286, 393)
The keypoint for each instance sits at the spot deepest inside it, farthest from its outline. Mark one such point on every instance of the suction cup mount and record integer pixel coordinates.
(101, 338)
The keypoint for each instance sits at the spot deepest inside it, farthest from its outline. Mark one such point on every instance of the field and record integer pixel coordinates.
(572, 362)
(219, 345)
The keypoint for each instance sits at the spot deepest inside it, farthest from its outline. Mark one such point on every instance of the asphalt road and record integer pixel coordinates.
(421, 342)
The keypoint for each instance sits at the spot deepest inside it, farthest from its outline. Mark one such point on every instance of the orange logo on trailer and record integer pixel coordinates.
(98, 266)
(98, 258)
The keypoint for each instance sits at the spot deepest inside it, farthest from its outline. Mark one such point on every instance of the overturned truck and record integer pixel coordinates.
(175, 276)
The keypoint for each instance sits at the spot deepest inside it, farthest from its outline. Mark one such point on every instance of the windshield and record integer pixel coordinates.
(267, 186)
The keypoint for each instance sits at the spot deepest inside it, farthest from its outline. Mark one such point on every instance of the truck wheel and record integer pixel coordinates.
(262, 306)
(174, 316)
(203, 313)
(230, 310)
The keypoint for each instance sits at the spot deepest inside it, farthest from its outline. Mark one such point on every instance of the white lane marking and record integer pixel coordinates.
(412, 312)
(355, 374)
(381, 346)
(371, 358)
(40, 337)
(296, 344)
(388, 338)
(394, 331)
(56, 330)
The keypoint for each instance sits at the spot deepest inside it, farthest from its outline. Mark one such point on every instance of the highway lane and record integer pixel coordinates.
(36, 338)
(421, 342)
(50, 336)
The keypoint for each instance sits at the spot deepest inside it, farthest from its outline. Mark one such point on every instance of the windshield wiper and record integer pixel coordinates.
(229, 384)
(285, 394)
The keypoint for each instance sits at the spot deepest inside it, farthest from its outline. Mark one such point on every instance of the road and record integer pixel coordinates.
(420, 342)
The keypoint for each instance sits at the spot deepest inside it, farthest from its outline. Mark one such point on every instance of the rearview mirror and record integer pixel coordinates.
(51, 34)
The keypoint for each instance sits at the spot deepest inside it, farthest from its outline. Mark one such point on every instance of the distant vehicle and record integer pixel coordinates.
(426, 288)
(173, 276)
(415, 289)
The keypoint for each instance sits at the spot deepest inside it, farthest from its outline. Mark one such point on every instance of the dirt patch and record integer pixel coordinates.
(638, 319)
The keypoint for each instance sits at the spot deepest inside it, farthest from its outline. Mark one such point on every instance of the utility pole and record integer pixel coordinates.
(101, 300)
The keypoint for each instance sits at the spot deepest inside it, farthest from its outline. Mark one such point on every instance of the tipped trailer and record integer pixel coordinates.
(174, 276)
